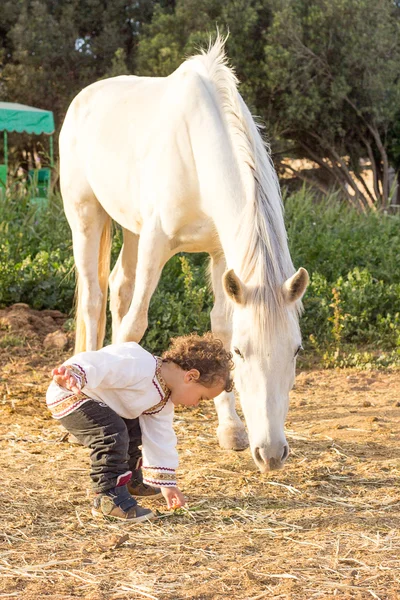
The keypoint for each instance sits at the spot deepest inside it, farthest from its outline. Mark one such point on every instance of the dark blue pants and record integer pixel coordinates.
(114, 443)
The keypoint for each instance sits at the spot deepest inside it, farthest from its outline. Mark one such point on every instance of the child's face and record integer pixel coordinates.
(188, 392)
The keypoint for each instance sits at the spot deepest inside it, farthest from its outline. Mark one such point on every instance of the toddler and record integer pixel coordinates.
(117, 398)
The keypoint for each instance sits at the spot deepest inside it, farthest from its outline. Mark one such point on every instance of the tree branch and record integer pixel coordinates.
(369, 197)
(309, 180)
(385, 164)
(381, 148)
(373, 166)
(338, 175)
(361, 199)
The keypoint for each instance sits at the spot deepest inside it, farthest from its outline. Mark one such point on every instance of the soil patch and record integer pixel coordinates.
(324, 527)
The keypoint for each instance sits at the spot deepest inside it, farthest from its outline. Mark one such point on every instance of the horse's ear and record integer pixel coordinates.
(233, 287)
(294, 287)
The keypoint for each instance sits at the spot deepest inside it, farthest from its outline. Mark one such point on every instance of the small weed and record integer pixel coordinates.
(9, 339)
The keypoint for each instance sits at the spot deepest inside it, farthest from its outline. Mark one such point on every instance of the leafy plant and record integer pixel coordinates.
(352, 305)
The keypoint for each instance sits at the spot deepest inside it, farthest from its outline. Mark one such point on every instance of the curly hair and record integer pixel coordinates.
(205, 353)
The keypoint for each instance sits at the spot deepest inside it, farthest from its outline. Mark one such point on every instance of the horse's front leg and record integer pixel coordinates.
(122, 281)
(153, 253)
(231, 432)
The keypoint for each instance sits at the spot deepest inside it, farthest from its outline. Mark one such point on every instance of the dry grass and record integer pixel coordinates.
(324, 527)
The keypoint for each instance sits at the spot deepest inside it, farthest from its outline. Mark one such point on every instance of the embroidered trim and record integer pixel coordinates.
(154, 482)
(161, 381)
(49, 404)
(67, 404)
(79, 373)
(159, 476)
(159, 469)
(162, 389)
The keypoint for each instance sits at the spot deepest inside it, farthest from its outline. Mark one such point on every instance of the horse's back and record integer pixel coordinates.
(132, 108)
(111, 116)
(129, 139)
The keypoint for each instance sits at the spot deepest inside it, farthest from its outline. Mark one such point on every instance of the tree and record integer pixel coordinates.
(51, 49)
(178, 31)
(322, 74)
(332, 75)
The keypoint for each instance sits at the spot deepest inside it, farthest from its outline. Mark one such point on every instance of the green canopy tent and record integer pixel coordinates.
(21, 118)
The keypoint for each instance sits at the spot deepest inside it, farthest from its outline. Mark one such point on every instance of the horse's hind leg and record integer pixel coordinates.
(231, 432)
(90, 225)
(122, 280)
(153, 253)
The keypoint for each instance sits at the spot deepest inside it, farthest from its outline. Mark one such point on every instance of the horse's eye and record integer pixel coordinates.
(298, 350)
(237, 351)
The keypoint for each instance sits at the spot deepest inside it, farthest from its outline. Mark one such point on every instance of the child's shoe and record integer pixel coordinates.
(117, 503)
(138, 489)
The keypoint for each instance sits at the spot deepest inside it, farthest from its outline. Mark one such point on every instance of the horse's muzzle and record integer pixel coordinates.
(266, 462)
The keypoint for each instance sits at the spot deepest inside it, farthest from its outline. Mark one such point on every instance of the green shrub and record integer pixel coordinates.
(36, 264)
(353, 300)
(352, 306)
(330, 238)
(181, 303)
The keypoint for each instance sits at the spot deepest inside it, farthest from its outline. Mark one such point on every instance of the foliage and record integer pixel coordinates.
(36, 263)
(50, 50)
(181, 303)
(177, 33)
(330, 238)
(335, 87)
(353, 300)
(351, 309)
(326, 90)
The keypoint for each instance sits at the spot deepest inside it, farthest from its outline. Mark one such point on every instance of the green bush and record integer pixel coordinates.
(330, 238)
(36, 263)
(353, 300)
(352, 306)
(181, 303)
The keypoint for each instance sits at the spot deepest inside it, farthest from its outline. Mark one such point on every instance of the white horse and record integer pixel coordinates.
(179, 163)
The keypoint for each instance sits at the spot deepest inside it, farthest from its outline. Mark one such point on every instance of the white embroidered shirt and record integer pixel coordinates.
(126, 378)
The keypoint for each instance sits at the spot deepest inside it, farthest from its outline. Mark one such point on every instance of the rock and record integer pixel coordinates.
(366, 403)
(49, 321)
(57, 339)
(19, 306)
(55, 314)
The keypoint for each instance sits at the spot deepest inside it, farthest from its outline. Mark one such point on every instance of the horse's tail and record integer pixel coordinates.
(103, 274)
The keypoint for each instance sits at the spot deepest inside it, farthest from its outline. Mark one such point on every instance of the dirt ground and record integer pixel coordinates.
(326, 526)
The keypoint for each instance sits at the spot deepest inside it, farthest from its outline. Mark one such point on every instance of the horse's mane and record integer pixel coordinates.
(262, 242)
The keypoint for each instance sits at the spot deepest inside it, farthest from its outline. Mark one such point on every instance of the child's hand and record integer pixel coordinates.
(64, 378)
(173, 497)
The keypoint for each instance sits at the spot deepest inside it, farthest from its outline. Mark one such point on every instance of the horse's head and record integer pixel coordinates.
(265, 343)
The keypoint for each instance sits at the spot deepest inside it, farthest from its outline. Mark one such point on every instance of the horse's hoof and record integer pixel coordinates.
(232, 438)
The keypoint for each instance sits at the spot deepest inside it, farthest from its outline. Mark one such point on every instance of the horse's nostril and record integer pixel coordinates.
(265, 461)
(285, 452)
(257, 455)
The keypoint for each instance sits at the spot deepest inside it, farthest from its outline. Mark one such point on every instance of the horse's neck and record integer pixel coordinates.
(224, 174)
(223, 196)
(227, 212)
(251, 237)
